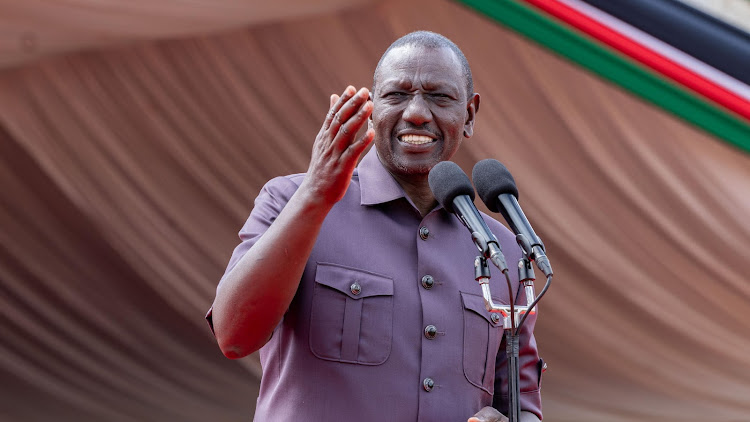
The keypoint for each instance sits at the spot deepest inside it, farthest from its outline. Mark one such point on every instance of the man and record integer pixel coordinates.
(356, 286)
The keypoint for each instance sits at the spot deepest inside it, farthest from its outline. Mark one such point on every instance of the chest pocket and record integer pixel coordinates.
(351, 319)
(482, 337)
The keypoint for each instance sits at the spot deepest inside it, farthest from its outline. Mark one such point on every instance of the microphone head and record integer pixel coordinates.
(493, 179)
(448, 181)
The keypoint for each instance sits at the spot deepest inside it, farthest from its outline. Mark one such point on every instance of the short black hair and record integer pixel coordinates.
(429, 39)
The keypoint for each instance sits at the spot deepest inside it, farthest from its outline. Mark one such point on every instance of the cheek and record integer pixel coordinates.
(381, 128)
(377, 115)
(454, 124)
(453, 115)
(383, 122)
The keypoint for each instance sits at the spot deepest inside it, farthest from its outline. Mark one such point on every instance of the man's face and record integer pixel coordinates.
(421, 110)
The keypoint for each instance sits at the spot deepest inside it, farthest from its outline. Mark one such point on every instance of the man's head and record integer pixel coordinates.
(429, 40)
(423, 104)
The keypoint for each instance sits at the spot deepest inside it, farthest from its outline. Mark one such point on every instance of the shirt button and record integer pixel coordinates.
(427, 384)
(428, 281)
(430, 331)
(495, 318)
(356, 288)
(424, 232)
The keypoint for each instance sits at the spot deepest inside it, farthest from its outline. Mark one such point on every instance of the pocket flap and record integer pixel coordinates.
(475, 303)
(353, 282)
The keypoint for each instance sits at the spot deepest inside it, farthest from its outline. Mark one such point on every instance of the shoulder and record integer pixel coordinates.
(284, 183)
(281, 188)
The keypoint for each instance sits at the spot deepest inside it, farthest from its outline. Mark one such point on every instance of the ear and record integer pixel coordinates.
(472, 108)
(369, 118)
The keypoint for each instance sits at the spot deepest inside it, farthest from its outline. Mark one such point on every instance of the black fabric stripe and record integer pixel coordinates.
(703, 36)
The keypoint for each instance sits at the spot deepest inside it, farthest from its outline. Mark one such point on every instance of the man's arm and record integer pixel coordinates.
(256, 293)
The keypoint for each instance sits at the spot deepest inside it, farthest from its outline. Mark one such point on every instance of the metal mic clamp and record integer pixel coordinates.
(510, 315)
(526, 276)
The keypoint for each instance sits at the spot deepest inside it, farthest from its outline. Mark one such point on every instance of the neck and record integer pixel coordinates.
(418, 190)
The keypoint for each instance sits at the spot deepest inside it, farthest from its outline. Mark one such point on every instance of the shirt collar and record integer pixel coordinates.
(376, 185)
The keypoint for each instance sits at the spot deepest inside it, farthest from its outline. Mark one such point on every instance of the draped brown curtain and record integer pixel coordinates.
(127, 172)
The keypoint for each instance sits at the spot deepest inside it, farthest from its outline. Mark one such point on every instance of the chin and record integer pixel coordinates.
(415, 169)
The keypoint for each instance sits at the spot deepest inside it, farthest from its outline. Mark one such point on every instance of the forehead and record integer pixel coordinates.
(428, 65)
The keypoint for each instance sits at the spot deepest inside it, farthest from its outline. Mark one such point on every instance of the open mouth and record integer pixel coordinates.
(416, 139)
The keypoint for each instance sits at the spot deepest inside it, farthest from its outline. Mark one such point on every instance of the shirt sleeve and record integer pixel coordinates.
(268, 205)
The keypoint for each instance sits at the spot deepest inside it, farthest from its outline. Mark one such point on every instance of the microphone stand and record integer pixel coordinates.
(511, 315)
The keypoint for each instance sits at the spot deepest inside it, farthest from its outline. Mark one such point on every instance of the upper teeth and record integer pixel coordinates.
(416, 139)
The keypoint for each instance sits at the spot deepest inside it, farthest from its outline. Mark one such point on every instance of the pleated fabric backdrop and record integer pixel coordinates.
(126, 174)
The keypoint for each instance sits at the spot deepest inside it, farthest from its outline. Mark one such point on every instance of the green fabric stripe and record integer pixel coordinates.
(616, 68)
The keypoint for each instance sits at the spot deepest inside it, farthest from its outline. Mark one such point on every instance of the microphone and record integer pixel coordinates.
(453, 190)
(498, 190)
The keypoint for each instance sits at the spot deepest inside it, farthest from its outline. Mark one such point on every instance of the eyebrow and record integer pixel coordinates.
(440, 85)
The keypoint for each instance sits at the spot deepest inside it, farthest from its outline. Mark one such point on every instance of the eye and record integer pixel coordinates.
(395, 97)
(395, 94)
(442, 98)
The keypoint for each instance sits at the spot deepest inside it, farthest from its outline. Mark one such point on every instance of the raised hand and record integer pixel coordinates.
(488, 414)
(336, 151)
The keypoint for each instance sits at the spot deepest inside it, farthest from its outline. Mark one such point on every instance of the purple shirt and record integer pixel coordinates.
(387, 302)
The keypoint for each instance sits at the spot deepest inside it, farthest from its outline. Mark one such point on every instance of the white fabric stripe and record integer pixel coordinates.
(733, 12)
(676, 55)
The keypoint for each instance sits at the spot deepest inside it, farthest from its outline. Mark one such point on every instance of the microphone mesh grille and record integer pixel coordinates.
(493, 179)
(448, 181)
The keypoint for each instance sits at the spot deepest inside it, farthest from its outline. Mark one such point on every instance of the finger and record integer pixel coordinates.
(334, 99)
(346, 132)
(348, 93)
(347, 110)
(356, 149)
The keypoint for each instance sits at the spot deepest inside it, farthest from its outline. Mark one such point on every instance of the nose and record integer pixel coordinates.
(417, 112)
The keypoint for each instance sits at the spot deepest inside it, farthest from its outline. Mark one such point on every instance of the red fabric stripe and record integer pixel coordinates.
(646, 56)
